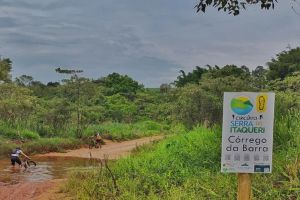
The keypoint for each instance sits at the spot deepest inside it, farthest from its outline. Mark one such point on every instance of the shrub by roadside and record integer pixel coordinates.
(5, 148)
(122, 131)
(45, 145)
(17, 134)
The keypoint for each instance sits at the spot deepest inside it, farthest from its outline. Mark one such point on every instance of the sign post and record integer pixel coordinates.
(244, 186)
(247, 136)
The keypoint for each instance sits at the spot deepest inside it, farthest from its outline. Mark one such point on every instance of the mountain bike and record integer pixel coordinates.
(26, 163)
(94, 144)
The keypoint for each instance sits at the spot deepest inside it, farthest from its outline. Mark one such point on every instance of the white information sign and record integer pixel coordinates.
(247, 132)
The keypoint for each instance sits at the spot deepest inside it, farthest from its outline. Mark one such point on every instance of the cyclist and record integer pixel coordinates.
(98, 139)
(15, 156)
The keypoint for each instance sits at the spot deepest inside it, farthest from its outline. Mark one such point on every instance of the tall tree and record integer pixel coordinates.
(74, 76)
(5, 70)
(285, 64)
(123, 84)
(191, 77)
(24, 80)
(16, 103)
(197, 103)
(228, 70)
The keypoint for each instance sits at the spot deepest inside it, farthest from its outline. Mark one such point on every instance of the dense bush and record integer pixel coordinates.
(14, 133)
(5, 148)
(121, 131)
(287, 129)
(45, 145)
(7, 131)
(26, 134)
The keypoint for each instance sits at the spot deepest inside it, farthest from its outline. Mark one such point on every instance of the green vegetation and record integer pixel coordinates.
(43, 145)
(46, 145)
(60, 115)
(121, 131)
(32, 113)
(5, 148)
(187, 166)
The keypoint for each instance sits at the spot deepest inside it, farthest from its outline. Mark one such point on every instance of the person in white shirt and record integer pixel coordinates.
(15, 156)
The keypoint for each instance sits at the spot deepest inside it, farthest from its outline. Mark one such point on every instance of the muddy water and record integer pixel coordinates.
(43, 181)
(46, 169)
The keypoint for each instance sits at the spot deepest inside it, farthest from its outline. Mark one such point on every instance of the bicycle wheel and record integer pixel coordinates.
(31, 163)
(91, 145)
(25, 164)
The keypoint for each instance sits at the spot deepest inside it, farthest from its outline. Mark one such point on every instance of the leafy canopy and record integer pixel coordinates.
(5, 70)
(286, 63)
(211, 72)
(233, 6)
(117, 83)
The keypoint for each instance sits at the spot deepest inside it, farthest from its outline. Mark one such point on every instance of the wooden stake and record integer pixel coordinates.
(244, 186)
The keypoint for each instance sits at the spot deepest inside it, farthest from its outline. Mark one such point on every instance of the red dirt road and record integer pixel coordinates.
(113, 150)
(33, 191)
(50, 190)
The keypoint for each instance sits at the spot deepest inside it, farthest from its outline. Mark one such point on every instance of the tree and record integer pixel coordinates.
(191, 77)
(52, 115)
(233, 6)
(289, 84)
(196, 103)
(259, 77)
(201, 100)
(75, 77)
(24, 80)
(120, 109)
(16, 103)
(153, 104)
(228, 70)
(286, 63)
(122, 84)
(53, 84)
(5, 70)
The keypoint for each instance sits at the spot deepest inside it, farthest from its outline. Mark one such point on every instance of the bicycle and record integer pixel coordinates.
(94, 144)
(26, 163)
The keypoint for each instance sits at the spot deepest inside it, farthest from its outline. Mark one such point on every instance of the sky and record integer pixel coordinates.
(148, 40)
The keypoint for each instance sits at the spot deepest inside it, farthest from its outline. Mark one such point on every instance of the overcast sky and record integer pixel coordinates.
(148, 40)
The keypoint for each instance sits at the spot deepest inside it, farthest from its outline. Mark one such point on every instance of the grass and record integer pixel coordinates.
(287, 129)
(17, 133)
(121, 131)
(180, 162)
(32, 143)
(42, 145)
(45, 145)
(187, 166)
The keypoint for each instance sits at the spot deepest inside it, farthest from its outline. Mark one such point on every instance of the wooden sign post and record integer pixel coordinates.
(244, 186)
(247, 136)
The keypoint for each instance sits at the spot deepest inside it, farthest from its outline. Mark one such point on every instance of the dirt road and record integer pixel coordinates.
(50, 190)
(33, 190)
(113, 150)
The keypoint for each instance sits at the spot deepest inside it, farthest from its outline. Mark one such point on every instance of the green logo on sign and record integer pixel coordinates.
(241, 105)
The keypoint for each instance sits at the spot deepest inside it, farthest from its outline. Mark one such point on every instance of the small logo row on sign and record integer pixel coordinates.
(237, 157)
